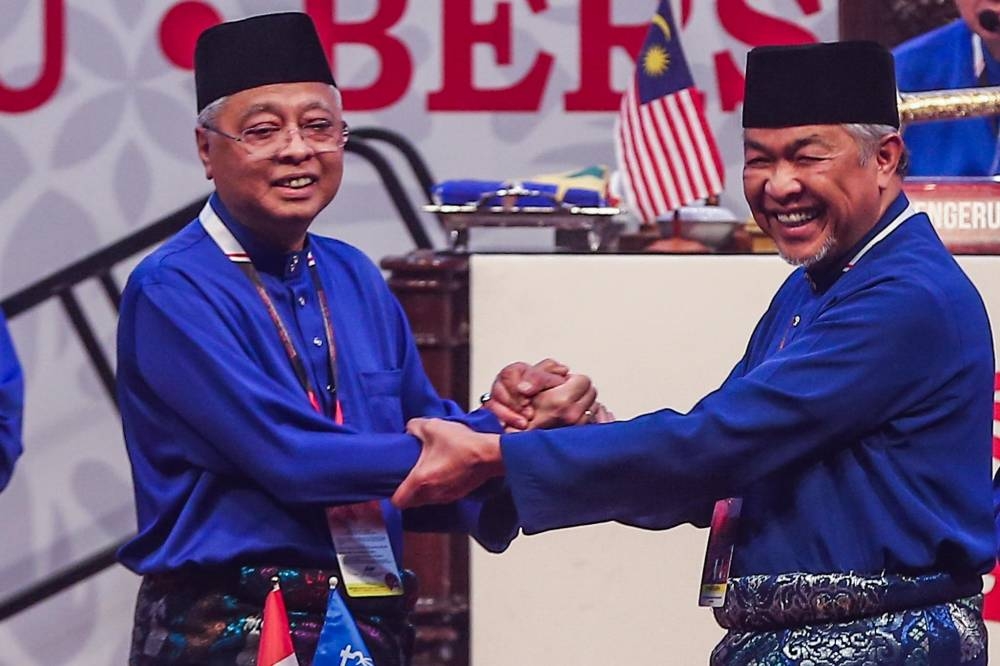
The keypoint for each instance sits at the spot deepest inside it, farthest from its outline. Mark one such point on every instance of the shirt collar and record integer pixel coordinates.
(992, 68)
(985, 67)
(265, 258)
(823, 278)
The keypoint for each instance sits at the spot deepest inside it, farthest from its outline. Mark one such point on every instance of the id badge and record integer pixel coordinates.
(719, 552)
(364, 552)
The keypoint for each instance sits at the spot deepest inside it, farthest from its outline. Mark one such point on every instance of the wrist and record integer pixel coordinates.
(490, 456)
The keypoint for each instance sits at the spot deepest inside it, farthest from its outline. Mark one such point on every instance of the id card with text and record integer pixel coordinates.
(719, 553)
(364, 552)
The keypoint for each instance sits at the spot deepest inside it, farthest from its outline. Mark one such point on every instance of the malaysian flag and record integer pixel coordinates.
(666, 153)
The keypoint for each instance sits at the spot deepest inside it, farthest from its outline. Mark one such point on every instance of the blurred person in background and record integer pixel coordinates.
(962, 54)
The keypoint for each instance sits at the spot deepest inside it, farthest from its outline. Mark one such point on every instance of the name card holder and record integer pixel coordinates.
(965, 211)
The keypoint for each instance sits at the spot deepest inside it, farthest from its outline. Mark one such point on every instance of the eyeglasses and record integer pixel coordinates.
(266, 140)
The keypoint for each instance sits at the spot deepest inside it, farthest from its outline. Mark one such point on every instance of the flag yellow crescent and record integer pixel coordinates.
(663, 25)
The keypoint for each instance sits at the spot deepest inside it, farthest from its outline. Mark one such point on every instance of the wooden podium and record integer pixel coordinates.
(434, 292)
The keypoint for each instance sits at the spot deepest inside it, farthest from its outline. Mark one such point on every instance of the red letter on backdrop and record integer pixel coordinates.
(460, 34)
(730, 80)
(396, 65)
(754, 29)
(32, 97)
(598, 36)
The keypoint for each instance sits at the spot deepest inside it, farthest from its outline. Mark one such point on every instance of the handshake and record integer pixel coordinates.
(455, 460)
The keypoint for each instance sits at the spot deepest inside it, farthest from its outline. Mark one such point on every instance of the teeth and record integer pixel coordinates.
(299, 182)
(798, 217)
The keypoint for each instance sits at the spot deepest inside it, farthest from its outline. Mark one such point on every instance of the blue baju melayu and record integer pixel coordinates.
(232, 466)
(11, 405)
(950, 57)
(857, 429)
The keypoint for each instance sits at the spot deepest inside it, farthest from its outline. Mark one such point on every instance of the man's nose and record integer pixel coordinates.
(296, 146)
(782, 183)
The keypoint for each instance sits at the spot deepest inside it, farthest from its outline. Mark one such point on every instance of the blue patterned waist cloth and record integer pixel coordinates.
(848, 619)
(789, 600)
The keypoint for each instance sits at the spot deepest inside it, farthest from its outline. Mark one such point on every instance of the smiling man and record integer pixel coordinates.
(848, 454)
(265, 375)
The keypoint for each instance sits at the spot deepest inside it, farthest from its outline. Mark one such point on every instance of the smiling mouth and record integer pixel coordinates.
(296, 183)
(796, 218)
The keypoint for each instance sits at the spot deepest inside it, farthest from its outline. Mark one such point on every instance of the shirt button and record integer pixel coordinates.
(329, 388)
(302, 301)
(318, 341)
(795, 320)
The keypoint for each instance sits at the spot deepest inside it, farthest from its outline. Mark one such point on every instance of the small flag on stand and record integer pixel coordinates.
(275, 636)
(340, 642)
(666, 152)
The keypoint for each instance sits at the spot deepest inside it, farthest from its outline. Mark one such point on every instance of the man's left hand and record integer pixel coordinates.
(517, 384)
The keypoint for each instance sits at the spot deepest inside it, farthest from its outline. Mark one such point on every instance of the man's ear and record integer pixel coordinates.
(890, 151)
(201, 140)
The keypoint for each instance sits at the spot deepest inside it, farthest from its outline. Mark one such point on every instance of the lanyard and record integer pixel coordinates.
(907, 213)
(358, 531)
(231, 247)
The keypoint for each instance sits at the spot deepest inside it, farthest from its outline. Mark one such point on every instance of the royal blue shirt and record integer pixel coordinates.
(940, 60)
(857, 427)
(11, 405)
(231, 464)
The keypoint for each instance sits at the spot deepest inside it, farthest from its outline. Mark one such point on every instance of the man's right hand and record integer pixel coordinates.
(453, 462)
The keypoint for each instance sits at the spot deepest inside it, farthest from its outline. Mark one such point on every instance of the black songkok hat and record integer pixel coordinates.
(820, 84)
(258, 51)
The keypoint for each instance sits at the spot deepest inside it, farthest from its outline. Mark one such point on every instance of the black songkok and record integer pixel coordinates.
(258, 51)
(820, 84)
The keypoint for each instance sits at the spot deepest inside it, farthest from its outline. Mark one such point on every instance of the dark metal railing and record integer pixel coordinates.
(62, 284)
(407, 212)
(413, 158)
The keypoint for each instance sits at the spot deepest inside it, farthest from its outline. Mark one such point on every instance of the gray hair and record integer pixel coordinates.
(208, 114)
(867, 136)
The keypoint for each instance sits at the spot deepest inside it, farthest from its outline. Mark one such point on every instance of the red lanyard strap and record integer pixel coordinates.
(324, 308)
(231, 247)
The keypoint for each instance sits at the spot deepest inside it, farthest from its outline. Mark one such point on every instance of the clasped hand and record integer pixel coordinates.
(455, 460)
(544, 395)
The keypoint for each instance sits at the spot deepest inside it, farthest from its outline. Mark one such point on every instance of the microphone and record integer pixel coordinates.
(989, 20)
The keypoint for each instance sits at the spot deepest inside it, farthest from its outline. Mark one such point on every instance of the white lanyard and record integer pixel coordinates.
(909, 212)
(978, 62)
(221, 235)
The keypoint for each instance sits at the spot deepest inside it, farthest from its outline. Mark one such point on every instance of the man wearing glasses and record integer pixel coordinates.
(265, 378)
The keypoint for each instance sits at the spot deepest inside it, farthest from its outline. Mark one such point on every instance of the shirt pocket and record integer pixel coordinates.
(384, 405)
